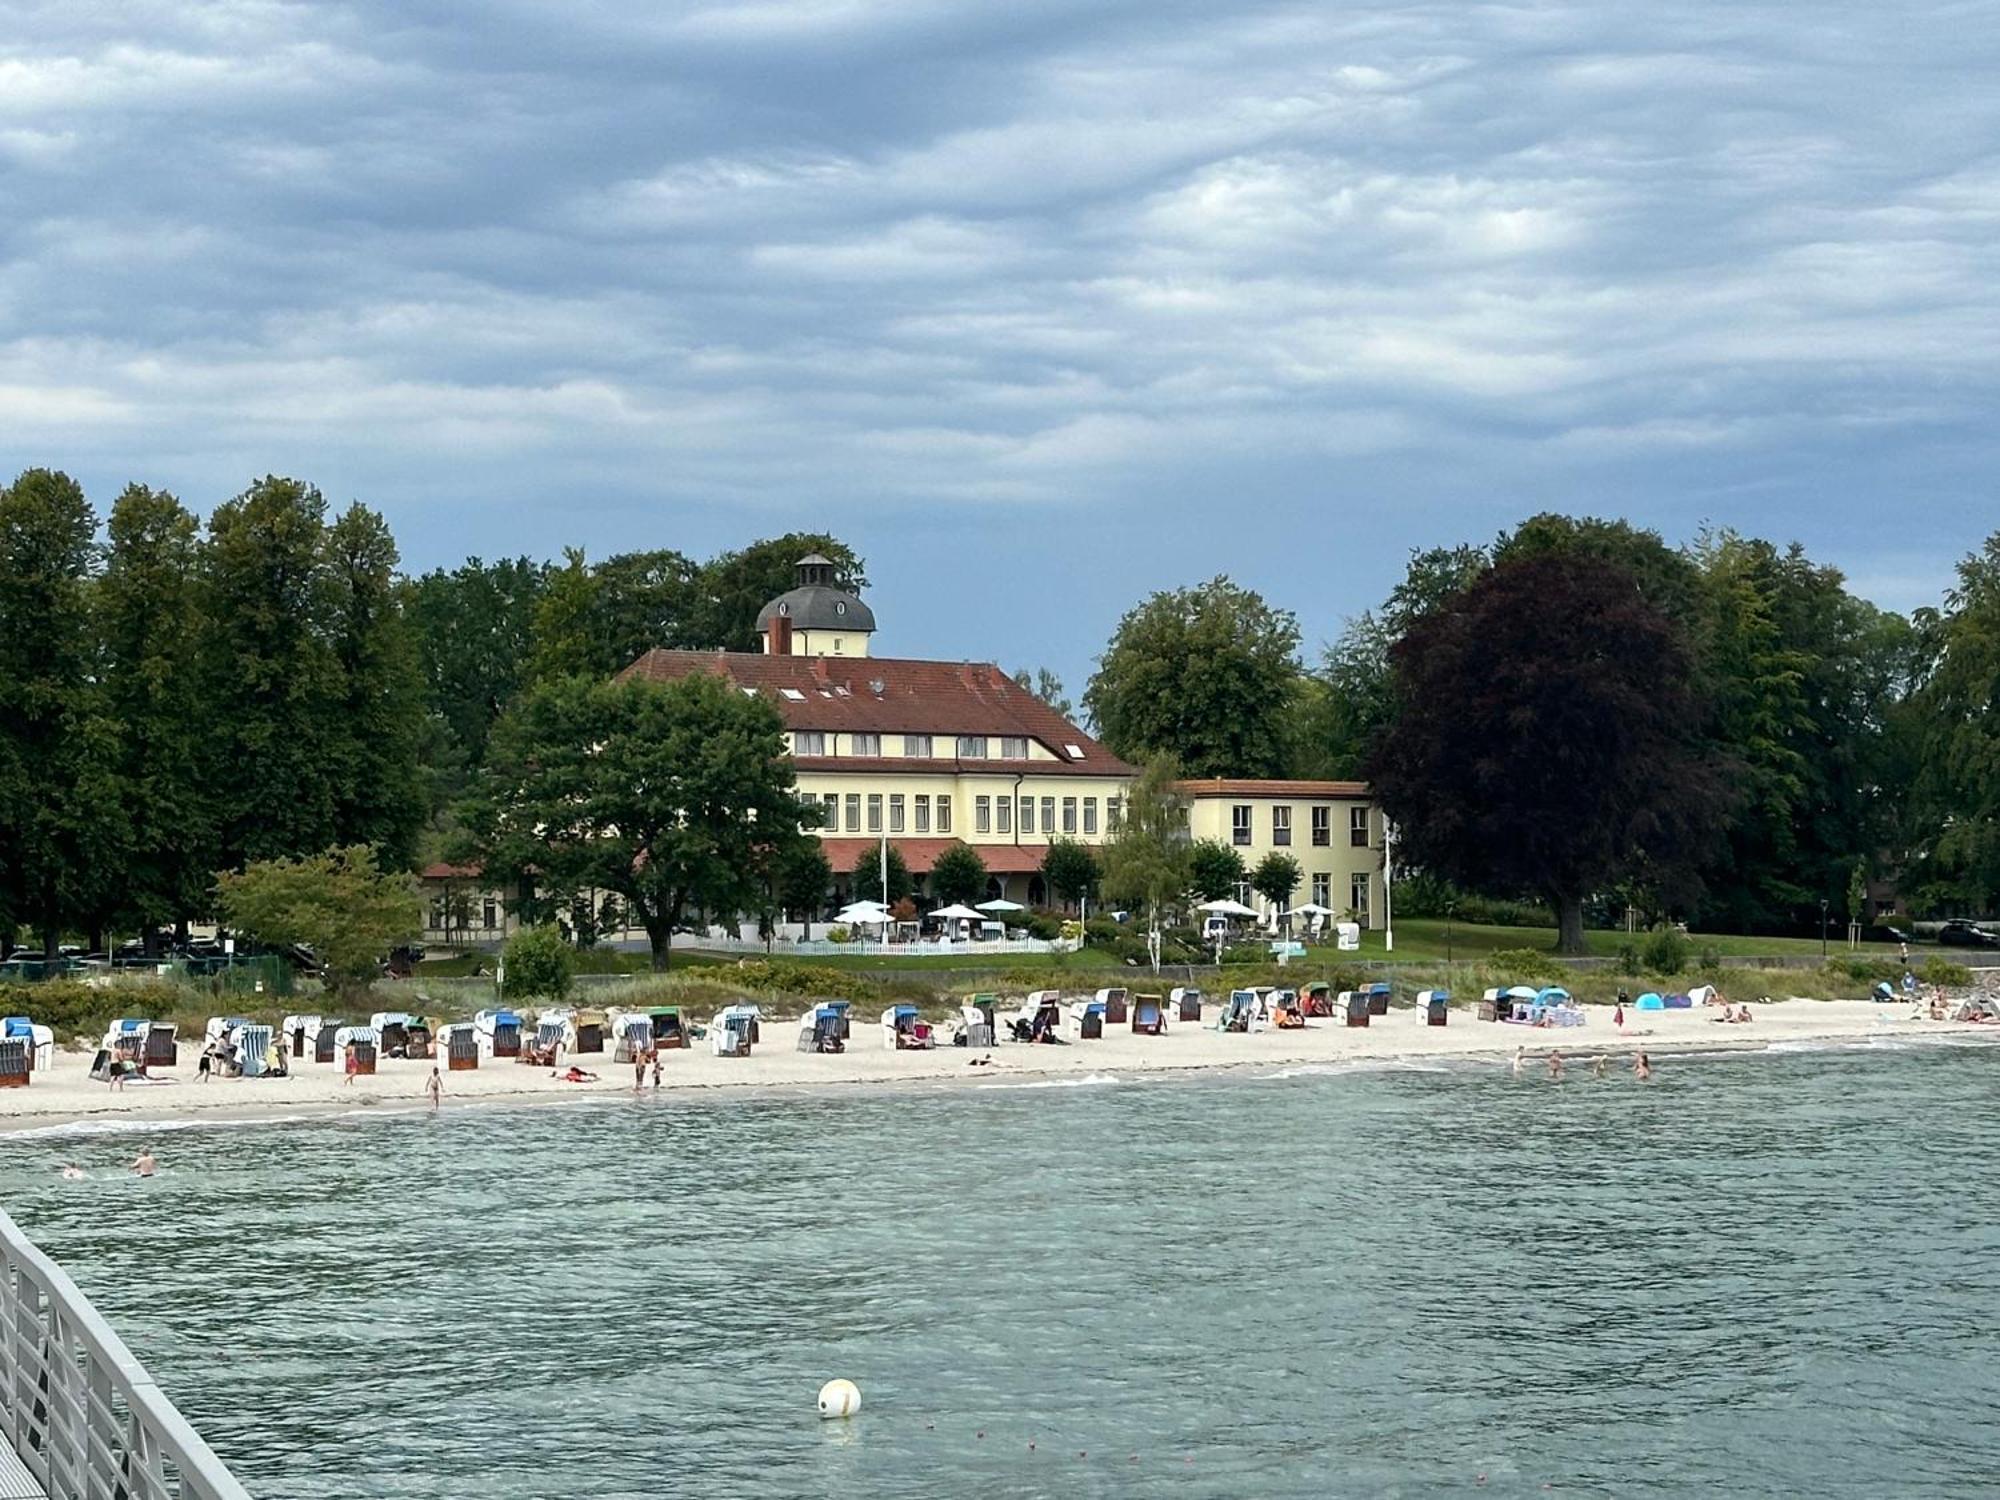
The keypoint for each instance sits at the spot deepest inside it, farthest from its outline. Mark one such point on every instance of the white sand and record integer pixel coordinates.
(65, 1092)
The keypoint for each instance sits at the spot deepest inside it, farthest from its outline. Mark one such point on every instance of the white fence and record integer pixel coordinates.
(798, 948)
(81, 1412)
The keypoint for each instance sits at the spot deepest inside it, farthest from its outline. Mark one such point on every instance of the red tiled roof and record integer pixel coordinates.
(1218, 786)
(902, 766)
(838, 694)
(848, 855)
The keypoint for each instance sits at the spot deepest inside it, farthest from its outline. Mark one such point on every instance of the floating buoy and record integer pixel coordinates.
(839, 1398)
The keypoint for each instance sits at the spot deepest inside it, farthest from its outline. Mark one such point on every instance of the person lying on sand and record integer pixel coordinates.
(574, 1074)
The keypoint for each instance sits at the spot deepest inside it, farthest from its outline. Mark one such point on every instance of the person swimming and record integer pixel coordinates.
(144, 1164)
(1520, 1060)
(71, 1172)
(1642, 1067)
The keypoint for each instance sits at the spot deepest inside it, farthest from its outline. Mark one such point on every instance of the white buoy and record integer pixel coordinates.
(839, 1398)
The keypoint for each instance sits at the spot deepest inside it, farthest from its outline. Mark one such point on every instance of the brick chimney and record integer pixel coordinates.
(778, 636)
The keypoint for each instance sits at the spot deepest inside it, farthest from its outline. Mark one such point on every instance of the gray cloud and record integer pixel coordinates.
(1043, 299)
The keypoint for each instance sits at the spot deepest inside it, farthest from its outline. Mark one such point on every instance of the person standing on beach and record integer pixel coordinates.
(1618, 1015)
(207, 1064)
(656, 1069)
(639, 1068)
(144, 1164)
(1642, 1067)
(434, 1086)
(352, 1064)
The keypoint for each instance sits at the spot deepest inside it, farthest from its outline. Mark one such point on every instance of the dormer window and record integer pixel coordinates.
(808, 742)
(865, 744)
(972, 747)
(1013, 747)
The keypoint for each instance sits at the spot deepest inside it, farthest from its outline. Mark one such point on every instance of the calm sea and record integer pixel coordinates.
(1773, 1276)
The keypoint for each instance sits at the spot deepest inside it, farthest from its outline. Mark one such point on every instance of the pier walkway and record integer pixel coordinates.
(80, 1419)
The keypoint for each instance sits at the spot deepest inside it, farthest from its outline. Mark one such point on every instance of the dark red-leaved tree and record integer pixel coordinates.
(1548, 736)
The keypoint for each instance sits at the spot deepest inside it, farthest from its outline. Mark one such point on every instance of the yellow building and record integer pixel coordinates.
(1330, 827)
(922, 753)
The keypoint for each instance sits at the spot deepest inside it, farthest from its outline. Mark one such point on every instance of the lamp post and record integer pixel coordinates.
(1388, 884)
(1823, 904)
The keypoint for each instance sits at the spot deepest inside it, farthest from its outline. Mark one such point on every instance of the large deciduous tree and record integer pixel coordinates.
(58, 793)
(734, 586)
(474, 629)
(1146, 860)
(1207, 675)
(151, 629)
(1069, 870)
(677, 796)
(1215, 869)
(1959, 784)
(1550, 737)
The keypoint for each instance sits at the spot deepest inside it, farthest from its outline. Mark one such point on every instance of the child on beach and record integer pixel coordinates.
(352, 1065)
(656, 1068)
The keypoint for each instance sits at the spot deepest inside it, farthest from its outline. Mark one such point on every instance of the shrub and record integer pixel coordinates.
(70, 1007)
(1628, 961)
(1945, 974)
(1045, 926)
(1529, 963)
(1666, 952)
(1709, 961)
(1866, 970)
(839, 935)
(538, 965)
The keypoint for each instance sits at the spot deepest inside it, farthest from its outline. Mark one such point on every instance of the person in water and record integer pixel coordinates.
(1642, 1067)
(71, 1172)
(144, 1164)
(1520, 1060)
(1556, 1066)
(434, 1086)
(1599, 1065)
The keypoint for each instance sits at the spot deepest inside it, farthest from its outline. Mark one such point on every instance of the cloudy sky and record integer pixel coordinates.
(1043, 304)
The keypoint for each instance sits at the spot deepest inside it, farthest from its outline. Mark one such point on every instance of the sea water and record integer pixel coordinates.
(1765, 1276)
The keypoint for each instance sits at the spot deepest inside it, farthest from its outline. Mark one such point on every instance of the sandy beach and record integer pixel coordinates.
(66, 1093)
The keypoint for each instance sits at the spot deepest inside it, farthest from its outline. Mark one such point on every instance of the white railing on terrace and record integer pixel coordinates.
(795, 947)
(81, 1412)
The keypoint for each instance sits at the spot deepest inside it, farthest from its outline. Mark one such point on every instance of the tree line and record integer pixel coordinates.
(1721, 731)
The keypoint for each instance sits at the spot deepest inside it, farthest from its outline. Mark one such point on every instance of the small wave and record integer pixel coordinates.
(1371, 1065)
(1089, 1080)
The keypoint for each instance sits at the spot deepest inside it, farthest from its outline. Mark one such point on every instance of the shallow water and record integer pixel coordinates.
(1769, 1276)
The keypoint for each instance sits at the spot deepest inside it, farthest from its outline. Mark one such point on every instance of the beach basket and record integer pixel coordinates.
(15, 1055)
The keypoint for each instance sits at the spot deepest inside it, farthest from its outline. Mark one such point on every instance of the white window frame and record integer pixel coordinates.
(1013, 747)
(1003, 814)
(972, 747)
(917, 746)
(854, 812)
(808, 742)
(1240, 814)
(895, 812)
(865, 744)
(874, 812)
(1357, 823)
(1069, 816)
(1322, 831)
(982, 814)
(920, 809)
(1281, 827)
(944, 812)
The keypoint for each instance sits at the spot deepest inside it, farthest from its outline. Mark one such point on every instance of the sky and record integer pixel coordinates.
(1041, 305)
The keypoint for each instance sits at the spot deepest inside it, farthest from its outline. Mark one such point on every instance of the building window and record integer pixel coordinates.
(1281, 827)
(864, 744)
(832, 805)
(1357, 827)
(1114, 813)
(1069, 815)
(1049, 815)
(972, 747)
(917, 746)
(1027, 815)
(854, 812)
(982, 814)
(923, 811)
(809, 742)
(1003, 808)
(1239, 824)
(492, 913)
(1013, 747)
(895, 812)
(874, 812)
(944, 814)
(1089, 815)
(1357, 896)
(1323, 890)
(1322, 819)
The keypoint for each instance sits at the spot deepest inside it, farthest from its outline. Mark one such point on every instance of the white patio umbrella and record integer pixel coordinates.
(861, 914)
(956, 914)
(1001, 905)
(1308, 909)
(1224, 907)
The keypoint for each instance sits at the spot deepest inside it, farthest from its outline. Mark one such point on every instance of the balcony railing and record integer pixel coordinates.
(82, 1413)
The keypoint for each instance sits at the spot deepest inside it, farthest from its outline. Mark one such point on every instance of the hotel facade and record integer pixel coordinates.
(928, 753)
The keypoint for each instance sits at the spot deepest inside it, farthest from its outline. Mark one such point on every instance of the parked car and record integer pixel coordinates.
(1965, 935)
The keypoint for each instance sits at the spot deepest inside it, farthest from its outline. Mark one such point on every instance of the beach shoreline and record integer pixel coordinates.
(64, 1097)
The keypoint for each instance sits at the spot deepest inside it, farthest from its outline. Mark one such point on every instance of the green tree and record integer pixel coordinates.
(377, 735)
(59, 795)
(804, 876)
(567, 635)
(150, 626)
(676, 796)
(1550, 726)
(474, 630)
(734, 586)
(1146, 860)
(646, 599)
(868, 878)
(1215, 869)
(1277, 875)
(1069, 870)
(958, 875)
(537, 963)
(1207, 674)
(351, 914)
(1958, 783)
(1048, 687)
(272, 682)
